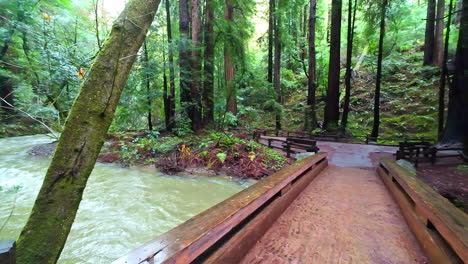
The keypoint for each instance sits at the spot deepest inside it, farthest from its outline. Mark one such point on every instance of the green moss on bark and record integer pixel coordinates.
(54, 211)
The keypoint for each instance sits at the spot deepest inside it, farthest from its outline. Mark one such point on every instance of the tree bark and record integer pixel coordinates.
(457, 118)
(429, 35)
(378, 82)
(439, 34)
(271, 24)
(443, 77)
(184, 57)
(332, 111)
(148, 87)
(231, 100)
(208, 85)
(54, 211)
(277, 65)
(311, 119)
(196, 95)
(349, 55)
(171, 97)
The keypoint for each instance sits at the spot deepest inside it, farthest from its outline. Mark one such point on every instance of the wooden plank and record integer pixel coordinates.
(444, 218)
(187, 241)
(233, 249)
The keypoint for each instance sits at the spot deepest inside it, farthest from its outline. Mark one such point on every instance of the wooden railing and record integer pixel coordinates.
(440, 228)
(225, 232)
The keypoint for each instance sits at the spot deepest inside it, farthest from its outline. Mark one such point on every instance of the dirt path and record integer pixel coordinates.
(344, 216)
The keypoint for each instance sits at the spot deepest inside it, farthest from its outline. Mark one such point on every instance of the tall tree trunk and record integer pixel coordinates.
(231, 100)
(171, 97)
(332, 111)
(54, 211)
(208, 85)
(166, 96)
(349, 56)
(184, 57)
(277, 65)
(378, 82)
(457, 117)
(443, 77)
(271, 25)
(439, 34)
(196, 95)
(148, 87)
(429, 35)
(311, 119)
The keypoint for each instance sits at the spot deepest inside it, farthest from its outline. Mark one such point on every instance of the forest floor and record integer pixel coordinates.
(450, 180)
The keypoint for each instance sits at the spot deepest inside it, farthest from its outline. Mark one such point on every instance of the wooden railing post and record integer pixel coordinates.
(7, 252)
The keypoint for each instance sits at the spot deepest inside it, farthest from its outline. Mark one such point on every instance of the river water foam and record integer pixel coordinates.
(121, 208)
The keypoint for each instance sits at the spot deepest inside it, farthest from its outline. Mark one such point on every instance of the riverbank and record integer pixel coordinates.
(210, 154)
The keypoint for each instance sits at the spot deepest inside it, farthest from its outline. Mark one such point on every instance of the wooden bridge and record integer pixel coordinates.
(349, 205)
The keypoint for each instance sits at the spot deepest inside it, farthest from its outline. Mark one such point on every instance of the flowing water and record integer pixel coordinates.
(121, 207)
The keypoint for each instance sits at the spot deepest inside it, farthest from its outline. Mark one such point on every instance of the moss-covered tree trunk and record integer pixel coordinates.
(208, 85)
(332, 110)
(456, 130)
(46, 231)
(311, 119)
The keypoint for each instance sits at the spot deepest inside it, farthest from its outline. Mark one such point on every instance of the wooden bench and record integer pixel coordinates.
(435, 153)
(308, 145)
(414, 151)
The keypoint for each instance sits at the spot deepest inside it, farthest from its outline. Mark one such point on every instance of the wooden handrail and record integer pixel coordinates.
(440, 228)
(195, 237)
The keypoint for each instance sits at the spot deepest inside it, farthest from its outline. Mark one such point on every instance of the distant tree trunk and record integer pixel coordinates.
(184, 57)
(349, 55)
(429, 35)
(54, 211)
(332, 111)
(166, 96)
(443, 77)
(171, 97)
(271, 25)
(6, 92)
(439, 34)
(311, 119)
(196, 95)
(96, 20)
(231, 100)
(457, 118)
(378, 82)
(148, 87)
(208, 86)
(277, 65)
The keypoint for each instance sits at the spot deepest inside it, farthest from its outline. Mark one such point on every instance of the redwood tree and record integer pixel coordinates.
(54, 211)
(332, 111)
(439, 34)
(429, 35)
(184, 56)
(349, 55)
(457, 118)
(208, 67)
(378, 82)
(171, 95)
(277, 64)
(231, 100)
(311, 122)
(195, 91)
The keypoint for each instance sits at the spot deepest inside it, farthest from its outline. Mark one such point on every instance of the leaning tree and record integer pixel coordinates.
(54, 211)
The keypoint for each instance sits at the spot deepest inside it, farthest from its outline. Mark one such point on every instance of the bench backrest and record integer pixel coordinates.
(301, 141)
